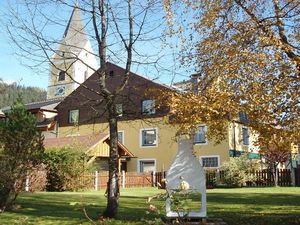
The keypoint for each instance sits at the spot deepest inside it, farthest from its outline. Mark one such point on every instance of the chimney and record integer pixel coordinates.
(194, 82)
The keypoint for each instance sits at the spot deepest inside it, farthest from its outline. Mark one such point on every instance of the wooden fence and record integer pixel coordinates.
(98, 180)
(262, 178)
(297, 176)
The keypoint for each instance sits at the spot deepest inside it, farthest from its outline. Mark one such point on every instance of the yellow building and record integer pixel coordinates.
(142, 128)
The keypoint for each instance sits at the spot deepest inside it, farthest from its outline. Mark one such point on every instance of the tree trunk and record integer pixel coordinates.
(113, 182)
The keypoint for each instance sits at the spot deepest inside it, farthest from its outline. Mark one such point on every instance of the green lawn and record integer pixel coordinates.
(260, 206)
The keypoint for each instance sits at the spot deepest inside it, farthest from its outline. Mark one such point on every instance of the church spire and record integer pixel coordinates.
(74, 34)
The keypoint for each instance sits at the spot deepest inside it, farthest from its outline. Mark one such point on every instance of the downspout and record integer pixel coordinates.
(234, 140)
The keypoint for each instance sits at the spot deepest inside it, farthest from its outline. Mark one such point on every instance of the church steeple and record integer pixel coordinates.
(74, 59)
(74, 36)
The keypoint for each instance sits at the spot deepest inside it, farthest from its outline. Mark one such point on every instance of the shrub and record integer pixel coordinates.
(65, 169)
(21, 148)
(238, 171)
(38, 178)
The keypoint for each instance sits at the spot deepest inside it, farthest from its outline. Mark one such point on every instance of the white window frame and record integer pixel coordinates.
(145, 160)
(206, 141)
(210, 156)
(152, 110)
(141, 138)
(247, 145)
(69, 118)
(123, 138)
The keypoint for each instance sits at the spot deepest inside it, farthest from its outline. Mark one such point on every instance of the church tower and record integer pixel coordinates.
(74, 60)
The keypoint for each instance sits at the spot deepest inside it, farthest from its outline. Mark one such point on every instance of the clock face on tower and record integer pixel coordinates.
(60, 90)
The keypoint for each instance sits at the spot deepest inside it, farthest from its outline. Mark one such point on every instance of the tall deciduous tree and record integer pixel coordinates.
(21, 147)
(247, 53)
(116, 29)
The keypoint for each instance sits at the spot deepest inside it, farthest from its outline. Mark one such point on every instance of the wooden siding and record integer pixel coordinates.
(92, 108)
(100, 150)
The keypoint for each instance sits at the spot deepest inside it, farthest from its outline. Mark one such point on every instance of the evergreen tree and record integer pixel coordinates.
(9, 94)
(21, 147)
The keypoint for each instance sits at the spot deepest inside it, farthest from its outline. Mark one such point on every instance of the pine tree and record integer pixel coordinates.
(21, 147)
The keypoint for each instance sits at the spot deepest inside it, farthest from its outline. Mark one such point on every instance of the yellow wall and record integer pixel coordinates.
(163, 153)
(239, 138)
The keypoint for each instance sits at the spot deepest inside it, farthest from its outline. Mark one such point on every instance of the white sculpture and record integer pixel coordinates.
(186, 173)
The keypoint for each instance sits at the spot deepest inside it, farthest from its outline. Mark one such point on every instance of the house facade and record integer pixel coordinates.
(142, 128)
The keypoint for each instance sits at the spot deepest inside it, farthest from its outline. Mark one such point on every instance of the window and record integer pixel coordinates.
(245, 133)
(73, 116)
(210, 161)
(119, 109)
(243, 117)
(149, 137)
(60, 91)
(121, 137)
(148, 107)
(147, 165)
(61, 75)
(200, 135)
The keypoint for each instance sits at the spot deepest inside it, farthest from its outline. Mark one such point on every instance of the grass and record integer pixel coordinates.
(257, 206)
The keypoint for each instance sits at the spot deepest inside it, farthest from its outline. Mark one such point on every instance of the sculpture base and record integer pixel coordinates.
(195, 221)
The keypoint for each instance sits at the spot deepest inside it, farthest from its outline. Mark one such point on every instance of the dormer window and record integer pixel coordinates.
(61, 76)
(148, 107)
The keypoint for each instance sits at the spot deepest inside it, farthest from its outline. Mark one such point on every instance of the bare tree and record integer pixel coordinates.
(115, 28)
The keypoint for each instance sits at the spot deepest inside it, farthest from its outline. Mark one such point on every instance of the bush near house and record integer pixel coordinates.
(237, 171)
(65, 169)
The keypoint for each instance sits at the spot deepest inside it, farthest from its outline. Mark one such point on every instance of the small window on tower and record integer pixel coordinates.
(61, 76)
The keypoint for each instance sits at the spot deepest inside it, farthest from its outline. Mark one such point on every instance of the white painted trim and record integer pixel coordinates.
(145, 160)
(123, 136)
(210, 156)
(141, 138)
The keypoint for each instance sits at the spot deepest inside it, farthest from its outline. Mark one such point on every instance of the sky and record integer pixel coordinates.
(13, 68)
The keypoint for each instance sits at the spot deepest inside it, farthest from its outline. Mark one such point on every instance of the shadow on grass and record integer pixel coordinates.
(233, 206)
(68, 208)
(254, 208)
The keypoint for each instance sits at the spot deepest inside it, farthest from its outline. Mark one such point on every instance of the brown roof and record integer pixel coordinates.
(83, 141)
(86, 142)
(47, 105)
